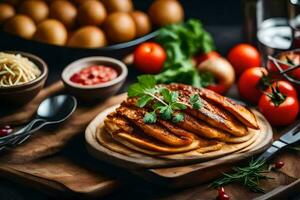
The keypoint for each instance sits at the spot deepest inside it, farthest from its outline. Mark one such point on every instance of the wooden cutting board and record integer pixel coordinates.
(103, 147)
(28, 163)
(156, 169)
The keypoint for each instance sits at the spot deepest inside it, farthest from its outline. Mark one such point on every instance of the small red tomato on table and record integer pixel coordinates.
(243, 57)
(279, 104)
(149, 58)
(252, 83)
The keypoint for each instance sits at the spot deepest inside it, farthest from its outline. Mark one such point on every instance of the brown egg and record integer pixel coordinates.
(118, 5)
(165, 12)
(91, 12)
(51, 31)
(142, 23)
(63, 11)
(6, 12)
(119, 27)
(20, 25)
(88, 37)
(36, 9)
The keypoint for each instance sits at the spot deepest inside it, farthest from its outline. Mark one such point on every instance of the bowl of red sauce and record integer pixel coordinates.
(94, 78)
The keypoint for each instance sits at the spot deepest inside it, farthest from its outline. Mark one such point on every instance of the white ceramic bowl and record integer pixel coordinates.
(99, 91)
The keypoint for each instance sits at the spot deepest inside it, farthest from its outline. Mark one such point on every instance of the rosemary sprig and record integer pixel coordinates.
(248, 176)
(160, 99)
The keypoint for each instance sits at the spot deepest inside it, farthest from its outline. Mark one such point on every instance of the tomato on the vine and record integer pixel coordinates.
(149, 58)
(285, 60)
(252, 82)
(279, 104)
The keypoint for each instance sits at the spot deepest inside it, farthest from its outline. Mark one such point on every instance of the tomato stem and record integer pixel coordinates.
(276, 96)
(265, 81)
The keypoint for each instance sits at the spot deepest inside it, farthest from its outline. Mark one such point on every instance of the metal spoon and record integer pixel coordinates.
(52, 110)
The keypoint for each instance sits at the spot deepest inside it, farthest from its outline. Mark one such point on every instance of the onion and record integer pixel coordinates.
(222, 71)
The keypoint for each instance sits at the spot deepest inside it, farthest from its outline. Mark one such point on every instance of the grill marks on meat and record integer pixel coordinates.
(218, 120)
(135, 116)
(122, 130)
(202, 129)
(210, 113)
(240, 112)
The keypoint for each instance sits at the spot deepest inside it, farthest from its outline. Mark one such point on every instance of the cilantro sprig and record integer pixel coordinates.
(161, 100)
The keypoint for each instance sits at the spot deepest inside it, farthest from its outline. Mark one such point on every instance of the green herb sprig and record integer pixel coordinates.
(248, 176)
(182, 42)
(162, 101)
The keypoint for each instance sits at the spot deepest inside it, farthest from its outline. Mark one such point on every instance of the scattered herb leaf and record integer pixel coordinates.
(178, 118)
(248, 176)
(150, 118)
(195, 101)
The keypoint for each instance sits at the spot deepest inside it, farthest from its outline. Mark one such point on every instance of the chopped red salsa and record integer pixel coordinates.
(94, 74)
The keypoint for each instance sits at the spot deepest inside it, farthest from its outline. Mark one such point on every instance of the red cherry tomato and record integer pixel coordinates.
(149, 58)
(250, 84)
(285, 88)
(221, 191)
(291, 57)
(280, 105)
(206, 56)
(279, 164)
(244, 56)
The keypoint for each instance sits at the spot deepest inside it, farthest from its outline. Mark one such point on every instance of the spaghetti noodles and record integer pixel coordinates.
(16, 70)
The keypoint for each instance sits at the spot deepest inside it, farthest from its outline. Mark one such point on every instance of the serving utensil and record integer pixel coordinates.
(290, 137)
(52, 110)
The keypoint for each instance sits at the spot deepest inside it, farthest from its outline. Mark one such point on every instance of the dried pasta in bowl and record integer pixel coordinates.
(16, 70)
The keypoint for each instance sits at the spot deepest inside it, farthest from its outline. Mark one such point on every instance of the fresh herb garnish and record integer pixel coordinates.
(161, 100)
(182, 42)
(248, 176)
(195, 101)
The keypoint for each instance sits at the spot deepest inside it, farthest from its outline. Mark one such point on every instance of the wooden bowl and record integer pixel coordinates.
(21, 94)
(94, 92)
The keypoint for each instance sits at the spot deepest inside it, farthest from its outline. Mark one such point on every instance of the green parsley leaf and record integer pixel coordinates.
(135, 90)
(195, 101)
(178, 106)
(174, 96)
(166, 112)
(158, 105)
(178, 118)
(181, 42)
(147, 81)
(143, 100)
(150, 118)
(166, 95)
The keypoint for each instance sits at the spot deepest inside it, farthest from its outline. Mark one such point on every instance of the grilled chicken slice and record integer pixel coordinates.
(209, 113)
(136, 115)
(122, 131)
(239, 111)
(195, 126)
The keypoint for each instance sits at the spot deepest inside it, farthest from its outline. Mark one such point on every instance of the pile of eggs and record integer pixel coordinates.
(85, 23)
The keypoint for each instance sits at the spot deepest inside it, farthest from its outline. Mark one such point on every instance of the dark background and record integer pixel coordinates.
(223, 18)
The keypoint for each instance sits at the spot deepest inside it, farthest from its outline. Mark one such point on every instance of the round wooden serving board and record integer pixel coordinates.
(102, 146)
